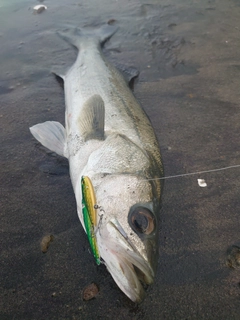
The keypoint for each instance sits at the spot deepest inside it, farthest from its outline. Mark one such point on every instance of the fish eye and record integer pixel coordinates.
(141, 221)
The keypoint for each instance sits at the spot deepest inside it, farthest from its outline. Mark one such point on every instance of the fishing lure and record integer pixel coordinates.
(89, 212)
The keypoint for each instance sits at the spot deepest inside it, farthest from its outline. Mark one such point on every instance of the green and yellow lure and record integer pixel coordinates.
(90, 214)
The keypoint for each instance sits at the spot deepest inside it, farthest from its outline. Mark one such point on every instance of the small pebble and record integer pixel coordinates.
(111, 21)
(172, 25)
(233, 258)
(90, 292)
(45, 243)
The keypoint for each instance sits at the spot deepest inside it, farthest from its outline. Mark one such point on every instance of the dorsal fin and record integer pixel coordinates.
(91, 119)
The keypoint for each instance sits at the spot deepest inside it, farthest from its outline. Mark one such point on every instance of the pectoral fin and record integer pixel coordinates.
(91, 119)
(51, 134)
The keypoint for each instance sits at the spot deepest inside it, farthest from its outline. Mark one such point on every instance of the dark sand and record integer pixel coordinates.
(188, 55)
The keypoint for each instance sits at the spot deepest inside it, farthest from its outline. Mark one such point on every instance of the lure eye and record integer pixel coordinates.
(141, 221)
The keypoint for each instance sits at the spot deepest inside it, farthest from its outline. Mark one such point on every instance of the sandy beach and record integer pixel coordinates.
(187, 53)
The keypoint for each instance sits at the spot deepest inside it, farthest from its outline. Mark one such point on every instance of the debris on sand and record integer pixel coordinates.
(45, 243)
(90, 292)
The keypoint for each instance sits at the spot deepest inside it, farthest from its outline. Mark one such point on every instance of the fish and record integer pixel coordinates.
(109, 140)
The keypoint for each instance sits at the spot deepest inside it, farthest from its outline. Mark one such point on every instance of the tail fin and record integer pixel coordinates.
(76, 36)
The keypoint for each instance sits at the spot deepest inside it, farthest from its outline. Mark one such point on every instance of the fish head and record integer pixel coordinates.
(127, 234)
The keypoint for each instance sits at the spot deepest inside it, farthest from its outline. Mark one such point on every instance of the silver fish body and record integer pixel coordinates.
(109, 138)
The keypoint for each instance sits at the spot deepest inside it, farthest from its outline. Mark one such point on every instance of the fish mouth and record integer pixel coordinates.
(129, 269)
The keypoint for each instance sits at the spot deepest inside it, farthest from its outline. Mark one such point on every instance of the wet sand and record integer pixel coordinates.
(188, 56)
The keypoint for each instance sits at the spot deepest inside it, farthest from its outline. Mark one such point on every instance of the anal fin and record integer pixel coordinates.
(59, 75)
(51, 134)
(91, 119)
(129, 73)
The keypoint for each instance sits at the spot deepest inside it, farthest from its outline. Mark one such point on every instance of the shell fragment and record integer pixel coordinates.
(202, 183)
(39, 8)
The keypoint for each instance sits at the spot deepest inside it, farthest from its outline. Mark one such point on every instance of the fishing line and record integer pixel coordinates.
(195, 173)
